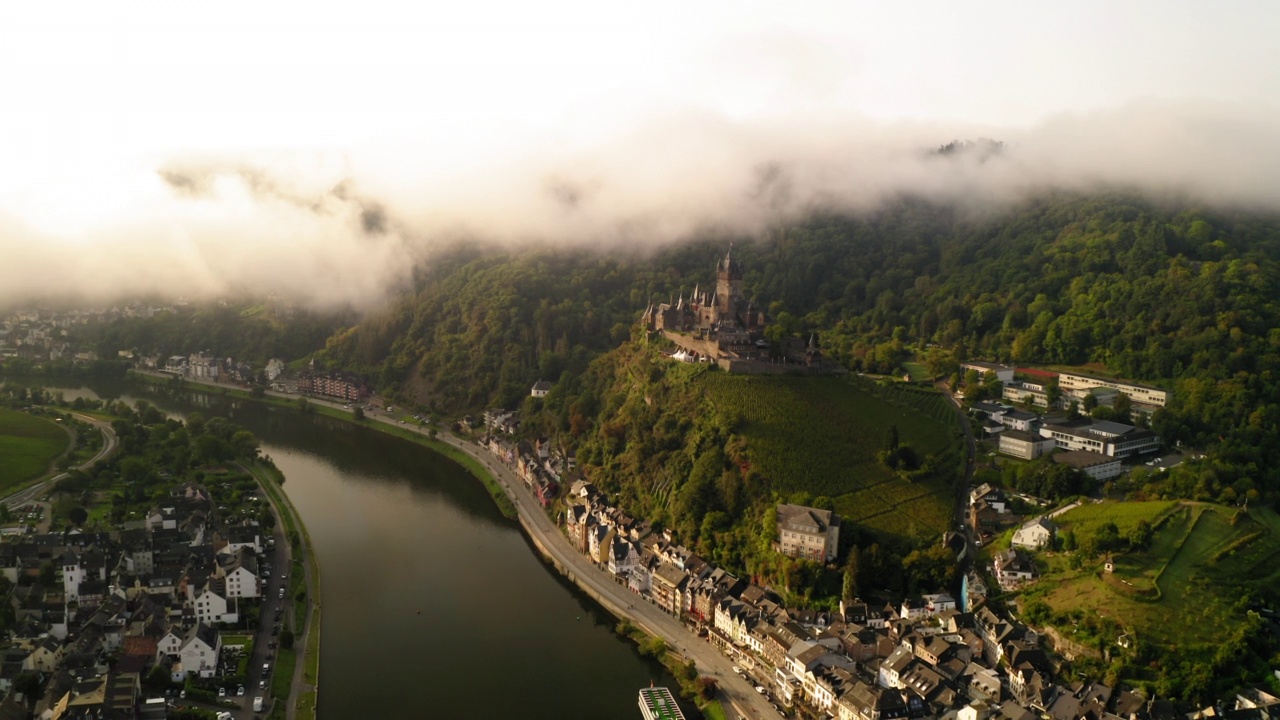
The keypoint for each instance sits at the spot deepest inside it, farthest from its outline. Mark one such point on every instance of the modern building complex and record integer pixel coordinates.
(1144, 395)
(1028, 392)
(1112, 439)
(1004, 373)
(1024, 445)
(808, 532)
(656, 703)
(1095, 465)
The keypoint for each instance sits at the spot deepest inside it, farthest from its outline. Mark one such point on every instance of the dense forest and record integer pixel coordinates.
(1179, 296)
(244, 331)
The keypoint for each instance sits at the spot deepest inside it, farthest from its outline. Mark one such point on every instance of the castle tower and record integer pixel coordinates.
(728, 286)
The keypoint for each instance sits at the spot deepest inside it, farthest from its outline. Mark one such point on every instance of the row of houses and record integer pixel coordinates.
(542, 468)
(922, 657)
(151, 595)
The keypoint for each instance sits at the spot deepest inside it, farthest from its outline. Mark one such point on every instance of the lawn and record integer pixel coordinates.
(917, 371)
(28, 444)
(822, 434)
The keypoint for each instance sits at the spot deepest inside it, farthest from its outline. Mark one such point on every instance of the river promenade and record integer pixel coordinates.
(738, 695)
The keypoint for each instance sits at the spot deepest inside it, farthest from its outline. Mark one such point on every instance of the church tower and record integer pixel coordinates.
(728, 287)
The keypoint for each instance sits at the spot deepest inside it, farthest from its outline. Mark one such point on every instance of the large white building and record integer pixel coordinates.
(1079, 385)
(1112, 439)
(1025, 445)
(808, 532)
(1095, 465)
(1004, 373)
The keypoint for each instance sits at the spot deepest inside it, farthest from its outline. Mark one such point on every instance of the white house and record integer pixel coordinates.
(1034, 535)
(200, 649)
(623, 556)
(275, 367)
(540, 389)
(210, 603)
(1013, 568)
(241, 576)
(73, 573)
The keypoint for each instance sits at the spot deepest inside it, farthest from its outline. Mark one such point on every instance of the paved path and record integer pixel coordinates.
(619, 599)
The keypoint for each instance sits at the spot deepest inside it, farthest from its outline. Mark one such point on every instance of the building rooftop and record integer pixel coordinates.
(1081, 459)
(657, 703)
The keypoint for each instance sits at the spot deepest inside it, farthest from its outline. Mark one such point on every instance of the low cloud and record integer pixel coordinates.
(346, 228)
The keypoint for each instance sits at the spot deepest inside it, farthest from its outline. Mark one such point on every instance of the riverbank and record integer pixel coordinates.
(332, 409)
(295, 686)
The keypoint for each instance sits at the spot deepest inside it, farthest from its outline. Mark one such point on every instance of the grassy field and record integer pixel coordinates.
(28, 445)
(1182, 590)
(821, 435)
(918, 372)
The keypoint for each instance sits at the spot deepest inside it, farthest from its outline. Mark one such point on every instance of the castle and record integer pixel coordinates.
(710, 314)
(724, 327)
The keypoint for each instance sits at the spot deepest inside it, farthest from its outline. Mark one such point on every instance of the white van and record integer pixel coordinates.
(257, 704)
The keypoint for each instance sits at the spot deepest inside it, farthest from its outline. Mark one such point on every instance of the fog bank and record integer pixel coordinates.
(333, 227)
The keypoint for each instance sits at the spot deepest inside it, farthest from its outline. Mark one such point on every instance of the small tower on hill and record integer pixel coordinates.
(728, 286)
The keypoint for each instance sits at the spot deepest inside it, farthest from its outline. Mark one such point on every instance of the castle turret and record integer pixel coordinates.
(729, 286)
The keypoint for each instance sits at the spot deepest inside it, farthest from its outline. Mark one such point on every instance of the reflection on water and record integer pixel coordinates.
(435, 605)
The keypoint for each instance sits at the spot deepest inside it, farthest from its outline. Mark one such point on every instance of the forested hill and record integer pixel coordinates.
(1179, 296)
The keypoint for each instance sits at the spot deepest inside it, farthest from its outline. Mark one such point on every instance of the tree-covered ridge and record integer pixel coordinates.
(242, 331)
(1176, 296)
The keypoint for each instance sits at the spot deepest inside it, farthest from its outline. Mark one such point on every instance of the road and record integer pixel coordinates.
(22, 497)
(617, 598)
(962, 501)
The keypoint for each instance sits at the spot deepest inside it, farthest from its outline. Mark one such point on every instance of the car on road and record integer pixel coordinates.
(737, 669)
(257, 704)
(760, 689)
(240, 691)
(222, 692)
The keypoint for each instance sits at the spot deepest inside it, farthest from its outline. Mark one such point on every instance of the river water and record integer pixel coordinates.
(435, 606)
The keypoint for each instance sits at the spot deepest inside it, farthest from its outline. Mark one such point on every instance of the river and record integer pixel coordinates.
(435, 606)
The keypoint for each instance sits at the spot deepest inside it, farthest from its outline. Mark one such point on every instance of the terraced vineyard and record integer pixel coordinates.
(1182, 590)
(822, 434)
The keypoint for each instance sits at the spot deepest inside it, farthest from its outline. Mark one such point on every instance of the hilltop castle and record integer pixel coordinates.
(724, 327)
(710, 314)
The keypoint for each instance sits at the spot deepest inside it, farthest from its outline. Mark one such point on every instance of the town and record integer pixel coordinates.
(152, 612)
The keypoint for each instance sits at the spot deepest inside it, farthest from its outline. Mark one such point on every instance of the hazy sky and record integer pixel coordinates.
(197, 142)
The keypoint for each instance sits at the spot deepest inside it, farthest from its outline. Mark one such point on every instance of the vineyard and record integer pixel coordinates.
(1086, 518)
(822, 434)
(1184, 587)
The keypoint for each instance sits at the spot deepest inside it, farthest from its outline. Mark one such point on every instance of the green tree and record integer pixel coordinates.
(78, 516)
